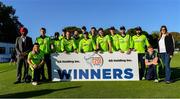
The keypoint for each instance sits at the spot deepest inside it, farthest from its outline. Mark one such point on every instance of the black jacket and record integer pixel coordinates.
(27, 45)
(169, 43)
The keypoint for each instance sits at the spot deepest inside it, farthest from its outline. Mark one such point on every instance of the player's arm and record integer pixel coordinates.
(62, 45)
(109, 44)
(97, 44)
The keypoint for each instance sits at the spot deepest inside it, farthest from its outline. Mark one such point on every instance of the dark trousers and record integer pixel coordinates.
(48, 64)
(36, 74)
(22, 61)
(142, 65)
(151, 72)
(166, 62)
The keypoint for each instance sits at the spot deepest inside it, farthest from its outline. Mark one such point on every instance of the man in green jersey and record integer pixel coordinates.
(114, 39)
(125, 41)
(56, 43)
(68, 45)
(139, 45)
(36, 61)
(77, 37)
(63, 35)
(93, 34)
(45, 46)
(86, 44)
(83, 29)
(103, 42)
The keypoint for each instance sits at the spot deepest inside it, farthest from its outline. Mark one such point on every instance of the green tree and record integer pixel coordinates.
(71, 29)
(9, 24)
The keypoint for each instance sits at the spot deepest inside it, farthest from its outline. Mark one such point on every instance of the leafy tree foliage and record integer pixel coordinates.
(9, 24)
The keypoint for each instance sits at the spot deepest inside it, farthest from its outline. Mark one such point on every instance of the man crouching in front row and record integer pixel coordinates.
(35, 60)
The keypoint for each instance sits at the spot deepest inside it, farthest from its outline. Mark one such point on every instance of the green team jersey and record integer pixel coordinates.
(103, 43)
(45, 44)
(68, 45)
(61, 37)
(77, 40)
(57, 45)
(125, 42)
(86, 45)
(139, 43)
(93, 37)
(150, 57)
(35, 58)
(115, 42)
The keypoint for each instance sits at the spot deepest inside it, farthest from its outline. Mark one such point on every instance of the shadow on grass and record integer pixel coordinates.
(30, 94)
(175, 74)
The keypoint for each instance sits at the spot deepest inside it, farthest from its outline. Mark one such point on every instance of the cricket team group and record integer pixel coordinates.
(35, 56)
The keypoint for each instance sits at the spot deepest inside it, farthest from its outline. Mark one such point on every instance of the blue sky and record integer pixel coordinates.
(54, 15)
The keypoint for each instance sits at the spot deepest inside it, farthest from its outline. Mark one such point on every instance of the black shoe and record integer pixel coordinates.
(17, 82)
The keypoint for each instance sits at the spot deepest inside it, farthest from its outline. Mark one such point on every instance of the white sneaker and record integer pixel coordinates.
(156, 81)
(34, 83)
(143, 78)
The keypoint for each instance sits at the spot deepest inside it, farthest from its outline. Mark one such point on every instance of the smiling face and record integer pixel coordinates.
(101, 33)
(76, 33)
(163, 30)
(122, 31)
(150, 50)
(138, 32)
(36, 48)
(112, 32)
(68, 35)
(93, 31)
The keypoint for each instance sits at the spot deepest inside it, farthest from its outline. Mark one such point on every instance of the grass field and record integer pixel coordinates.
(91, 89)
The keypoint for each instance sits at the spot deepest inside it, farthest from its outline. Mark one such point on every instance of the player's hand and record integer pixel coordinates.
(128, 52)
(110, 51)
(75, 51)
(121, 51)
(35, 66)
(134, 50)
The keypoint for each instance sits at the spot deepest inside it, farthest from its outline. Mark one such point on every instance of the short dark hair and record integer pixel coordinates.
(43, 29)
(93, 28)
(122, 28)
(100, 29)
(138, 28)
(83, 28)
(56, 33)
(64, 30)
(112, 28)
(36, 44)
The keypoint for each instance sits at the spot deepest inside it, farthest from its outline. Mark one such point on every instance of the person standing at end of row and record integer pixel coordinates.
(23, 46)
(166, 50)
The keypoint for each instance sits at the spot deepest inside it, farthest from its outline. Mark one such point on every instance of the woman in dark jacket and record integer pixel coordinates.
(166, 50)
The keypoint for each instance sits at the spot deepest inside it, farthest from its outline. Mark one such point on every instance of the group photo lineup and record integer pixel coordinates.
(89, 49)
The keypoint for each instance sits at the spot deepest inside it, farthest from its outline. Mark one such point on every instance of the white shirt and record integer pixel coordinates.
(162, 46)
(23, 38)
